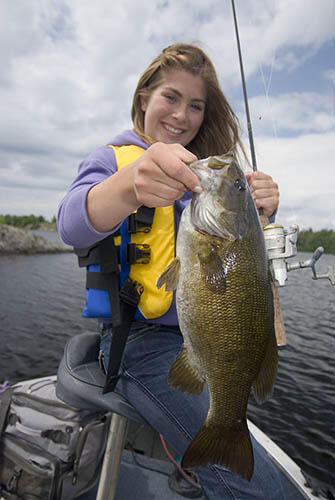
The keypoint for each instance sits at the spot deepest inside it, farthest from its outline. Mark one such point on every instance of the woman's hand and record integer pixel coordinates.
(156, 179)
(264, 191)
(161, 175)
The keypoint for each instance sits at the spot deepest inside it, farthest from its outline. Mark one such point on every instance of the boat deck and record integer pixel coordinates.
(144, 472)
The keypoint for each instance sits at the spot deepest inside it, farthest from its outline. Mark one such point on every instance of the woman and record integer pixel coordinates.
(179, 114)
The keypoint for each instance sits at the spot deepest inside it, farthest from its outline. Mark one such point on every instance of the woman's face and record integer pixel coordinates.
(174, 111)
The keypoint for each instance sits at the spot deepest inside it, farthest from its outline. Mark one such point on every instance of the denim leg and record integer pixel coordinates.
(149, 354)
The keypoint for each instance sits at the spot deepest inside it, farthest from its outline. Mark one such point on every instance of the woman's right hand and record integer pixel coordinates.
(161, 175)
(156, 179)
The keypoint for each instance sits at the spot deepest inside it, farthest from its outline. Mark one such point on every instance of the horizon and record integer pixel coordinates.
(51, 221)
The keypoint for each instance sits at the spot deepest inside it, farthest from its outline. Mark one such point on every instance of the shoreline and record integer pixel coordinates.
(19, 241)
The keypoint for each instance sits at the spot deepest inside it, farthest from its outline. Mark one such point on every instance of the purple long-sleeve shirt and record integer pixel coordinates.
(74, 226)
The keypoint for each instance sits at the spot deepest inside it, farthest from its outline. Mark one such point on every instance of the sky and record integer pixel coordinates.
(69, 69)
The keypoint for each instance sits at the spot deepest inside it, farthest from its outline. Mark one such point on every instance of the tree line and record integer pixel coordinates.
(308, 239)
(26, 221)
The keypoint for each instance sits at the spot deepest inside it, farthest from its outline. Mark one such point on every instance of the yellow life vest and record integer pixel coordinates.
(154, 302)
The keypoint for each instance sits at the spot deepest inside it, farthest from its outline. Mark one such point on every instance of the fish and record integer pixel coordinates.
(225, 312)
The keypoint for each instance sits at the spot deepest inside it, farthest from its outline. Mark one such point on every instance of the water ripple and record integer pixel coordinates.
(41, 299)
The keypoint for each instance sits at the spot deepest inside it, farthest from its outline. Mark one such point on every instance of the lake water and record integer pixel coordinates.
(41, 297)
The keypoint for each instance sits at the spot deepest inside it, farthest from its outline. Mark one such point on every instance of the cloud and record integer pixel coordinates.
(295, 113)
(303, 167)
(276, 33)
(330, 75)
(69, 68)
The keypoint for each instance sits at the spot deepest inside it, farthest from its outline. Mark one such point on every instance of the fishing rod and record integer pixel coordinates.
(250, 134)
(280, 243)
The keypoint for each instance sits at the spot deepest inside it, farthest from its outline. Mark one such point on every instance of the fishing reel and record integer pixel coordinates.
(281, 244)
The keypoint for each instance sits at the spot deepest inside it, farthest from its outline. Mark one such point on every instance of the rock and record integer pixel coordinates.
(14, 240)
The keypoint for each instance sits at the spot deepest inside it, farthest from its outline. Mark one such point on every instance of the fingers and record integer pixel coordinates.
(172, 160)
(162, 175)
(264, 191)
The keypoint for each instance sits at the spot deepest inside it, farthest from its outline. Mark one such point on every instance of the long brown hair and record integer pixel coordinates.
(219, 132)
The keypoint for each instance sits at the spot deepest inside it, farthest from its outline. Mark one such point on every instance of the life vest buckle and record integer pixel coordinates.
(131, 292)
(138, 253)
(140, 221)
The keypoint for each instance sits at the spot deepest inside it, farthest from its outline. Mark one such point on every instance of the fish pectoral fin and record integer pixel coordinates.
(213, 270)
(265, 379)
(184, 376)
(218, 444)
(170, 276)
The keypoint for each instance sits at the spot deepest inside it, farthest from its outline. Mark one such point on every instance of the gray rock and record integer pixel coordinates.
(14, 240)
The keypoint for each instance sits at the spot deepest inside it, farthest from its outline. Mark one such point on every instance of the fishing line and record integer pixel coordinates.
(267, 86)
(267, 90)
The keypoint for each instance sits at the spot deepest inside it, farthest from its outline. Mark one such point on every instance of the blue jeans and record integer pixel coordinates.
(149, 354)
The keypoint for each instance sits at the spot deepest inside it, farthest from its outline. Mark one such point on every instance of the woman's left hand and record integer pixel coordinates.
(264, 191)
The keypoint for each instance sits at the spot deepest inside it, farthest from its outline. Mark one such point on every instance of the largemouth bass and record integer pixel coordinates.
(225, 312)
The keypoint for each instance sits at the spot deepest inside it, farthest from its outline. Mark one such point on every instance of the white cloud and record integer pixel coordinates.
(69, 68)
(330, 75)
(294, 112)
(304, 169)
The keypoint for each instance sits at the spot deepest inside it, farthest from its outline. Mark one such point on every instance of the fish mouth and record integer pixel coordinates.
(219, 211)
(218, 162)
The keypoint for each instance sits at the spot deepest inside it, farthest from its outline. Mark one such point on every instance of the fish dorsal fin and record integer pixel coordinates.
(170, 276)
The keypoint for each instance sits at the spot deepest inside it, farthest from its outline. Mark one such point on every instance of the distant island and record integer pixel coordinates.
(18, 238)
(308, 239)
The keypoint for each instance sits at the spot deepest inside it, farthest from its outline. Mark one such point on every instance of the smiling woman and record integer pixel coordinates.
(179, 113)
(174, 111)
(219, 130)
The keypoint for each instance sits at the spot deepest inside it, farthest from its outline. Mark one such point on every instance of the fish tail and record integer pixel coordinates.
(228, 446)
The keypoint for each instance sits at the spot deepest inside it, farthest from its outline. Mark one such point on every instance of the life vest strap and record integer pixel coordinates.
(99, 280)
(94, 254)
(107, 255)
(104, 253)
(136, 253)
(130, 295)
(109, 259)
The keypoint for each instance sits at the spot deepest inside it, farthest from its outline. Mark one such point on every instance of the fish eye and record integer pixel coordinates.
(240, 184)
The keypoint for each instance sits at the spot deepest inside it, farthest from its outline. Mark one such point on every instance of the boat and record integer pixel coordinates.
(137, 462)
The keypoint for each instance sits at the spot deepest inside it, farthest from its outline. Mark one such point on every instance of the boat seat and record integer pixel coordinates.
(80, 381)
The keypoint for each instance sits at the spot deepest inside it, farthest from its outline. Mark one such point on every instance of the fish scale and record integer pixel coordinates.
(225, 312)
